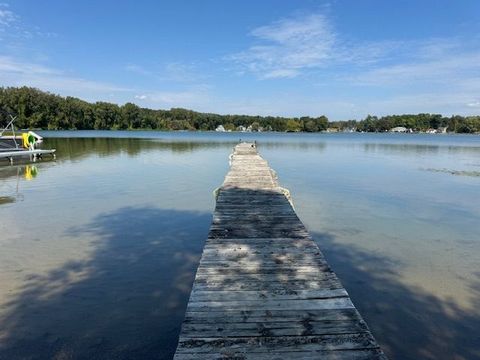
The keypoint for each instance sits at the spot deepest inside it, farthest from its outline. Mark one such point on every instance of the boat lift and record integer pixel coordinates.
(11, 149)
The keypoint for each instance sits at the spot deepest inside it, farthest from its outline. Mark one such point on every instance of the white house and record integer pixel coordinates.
(399, 129)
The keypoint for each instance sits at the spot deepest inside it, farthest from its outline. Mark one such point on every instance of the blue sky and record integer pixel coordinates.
(344, 59)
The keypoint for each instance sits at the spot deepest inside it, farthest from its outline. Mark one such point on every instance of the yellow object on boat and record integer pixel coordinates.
(28, 140)
(25, 140)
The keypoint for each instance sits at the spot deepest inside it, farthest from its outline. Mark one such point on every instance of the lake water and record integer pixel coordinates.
(98, 249)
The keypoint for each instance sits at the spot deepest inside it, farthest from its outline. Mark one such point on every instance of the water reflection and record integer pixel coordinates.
(11, 177)
(421, 149)
(31, 172)
(79, 148)
(106, 143)
(455, 172)
(7, 200)
(28, 172)
(126, 301)
(106, 273)
(425, 327)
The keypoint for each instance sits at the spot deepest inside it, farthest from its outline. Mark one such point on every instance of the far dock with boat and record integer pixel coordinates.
(21, 145)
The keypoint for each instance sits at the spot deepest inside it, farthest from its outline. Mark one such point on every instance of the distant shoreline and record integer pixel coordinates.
(36, 109)
(252, 132)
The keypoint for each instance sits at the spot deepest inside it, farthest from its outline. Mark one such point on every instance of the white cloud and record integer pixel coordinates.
(9, 65)
(427, 75)
(196, 97)
(182, 72)
(474, 104)
(7, 17)
(378, 77)
(173, 71)
(286, 103)
(310, 44)
(446, 103)
(289, 45)
(18, 73)
(14, 72)
(297, 30)
(343, 107)
(14, 31)
(281, 73)
(449, 67)
(137, 69)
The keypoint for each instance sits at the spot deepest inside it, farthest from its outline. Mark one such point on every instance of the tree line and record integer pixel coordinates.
(37, 109)
(415, 122)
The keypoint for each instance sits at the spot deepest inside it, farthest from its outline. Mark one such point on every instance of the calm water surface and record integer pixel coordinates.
(98, 250)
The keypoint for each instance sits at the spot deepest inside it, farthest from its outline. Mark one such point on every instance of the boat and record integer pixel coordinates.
(15, 145)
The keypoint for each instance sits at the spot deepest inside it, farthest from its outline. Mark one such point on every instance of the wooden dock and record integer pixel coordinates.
(263, 289)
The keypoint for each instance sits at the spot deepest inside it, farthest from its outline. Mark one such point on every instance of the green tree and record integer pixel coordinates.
(293, 125)
(130, 117)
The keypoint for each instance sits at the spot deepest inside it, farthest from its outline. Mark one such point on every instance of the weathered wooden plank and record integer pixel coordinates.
(301, 328)
(260, 263)
(297, 304)
(276, 271)
(278, 224)
(259, 253)
(283, 294)
(239, 284)
(278, 343)
(363, 354)
(269, 280)
(284, 279)
(280, 241)
(263, 249)
(258, 208)
(243, 258)
(260, 250)
(252, 233)
(249, 217)
(265, 267)
(263, 289)
(240, 194)
(329, 282)
(263, 316)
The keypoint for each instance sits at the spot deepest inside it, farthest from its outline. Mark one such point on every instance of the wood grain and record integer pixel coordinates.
(263, 289)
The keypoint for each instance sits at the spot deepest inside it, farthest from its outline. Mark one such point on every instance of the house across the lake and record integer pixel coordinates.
(399, 129)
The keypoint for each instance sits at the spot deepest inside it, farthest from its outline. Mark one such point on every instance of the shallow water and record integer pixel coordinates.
(99, 248)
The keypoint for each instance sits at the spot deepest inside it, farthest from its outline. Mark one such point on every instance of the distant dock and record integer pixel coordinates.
(263, 289)
(33, 155)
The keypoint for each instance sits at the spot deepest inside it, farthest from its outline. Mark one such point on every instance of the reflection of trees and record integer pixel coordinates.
(12, 176)
(128, 299)
(77, 148)
(131, 298)
(407, 322)
(297, 145)
(6, 200)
